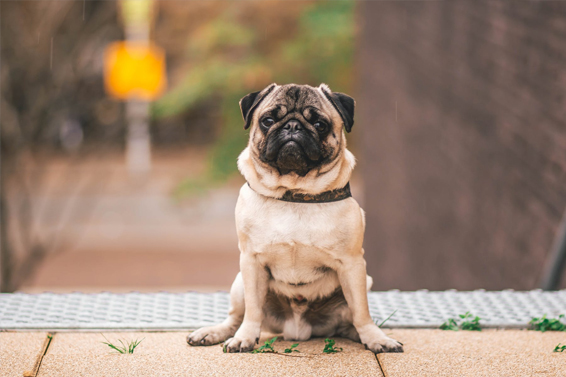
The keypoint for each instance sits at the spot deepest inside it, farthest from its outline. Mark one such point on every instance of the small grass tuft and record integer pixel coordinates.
(267, 347)
(467, 322)
(386, 319)
(543, 324)
(329, 346)
(560, 348)
(127, 347)
(292, 348)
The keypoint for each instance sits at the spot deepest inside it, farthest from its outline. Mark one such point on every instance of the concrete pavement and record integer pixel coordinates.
(427, 353)
(499, 353)
(167, 354)
(19, 352)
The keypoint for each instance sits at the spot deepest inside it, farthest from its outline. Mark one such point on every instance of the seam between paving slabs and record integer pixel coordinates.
(37, 365)
(381, 368)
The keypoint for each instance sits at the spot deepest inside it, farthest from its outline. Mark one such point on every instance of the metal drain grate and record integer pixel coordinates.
(176, 311)
(502, 309)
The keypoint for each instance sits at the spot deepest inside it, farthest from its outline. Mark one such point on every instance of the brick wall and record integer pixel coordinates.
(461, 114)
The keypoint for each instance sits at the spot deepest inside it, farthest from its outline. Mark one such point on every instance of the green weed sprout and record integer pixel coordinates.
(467, 322)
(386, 319)
(543, 324)
(450, 324)
(329, 346)
(128, 347)
(292, 348)
(267, 347)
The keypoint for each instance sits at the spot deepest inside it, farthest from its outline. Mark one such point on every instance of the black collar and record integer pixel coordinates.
(323, 197)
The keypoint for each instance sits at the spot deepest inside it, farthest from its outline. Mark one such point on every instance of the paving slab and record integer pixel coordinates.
(473, 353)
(167, 354)
(19, 352)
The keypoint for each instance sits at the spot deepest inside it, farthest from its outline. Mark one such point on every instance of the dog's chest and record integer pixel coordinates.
(263, 223)
(298, 241)
(294, 229)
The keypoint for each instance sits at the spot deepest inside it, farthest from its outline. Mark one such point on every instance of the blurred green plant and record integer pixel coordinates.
(228, 58)
(385, 320)
(267, 347)
(329, 346)
(292, 348)
(543, 324)
(466, 321)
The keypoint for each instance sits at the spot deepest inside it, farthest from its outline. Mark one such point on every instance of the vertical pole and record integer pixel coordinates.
(137, 16)
(5, 251)
(138, 142)
(556, 261)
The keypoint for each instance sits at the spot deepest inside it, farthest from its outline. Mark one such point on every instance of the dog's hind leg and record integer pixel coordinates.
(207, 336)
(348, 331)
(337, 318)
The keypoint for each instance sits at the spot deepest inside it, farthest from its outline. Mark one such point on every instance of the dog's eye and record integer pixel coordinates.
(267, 122)
(320, 126)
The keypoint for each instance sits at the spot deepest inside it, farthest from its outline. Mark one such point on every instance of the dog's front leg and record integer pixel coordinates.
(255, 279)
(352, 276)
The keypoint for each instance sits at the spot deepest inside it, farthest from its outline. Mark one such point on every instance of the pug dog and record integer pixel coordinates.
(302, 267)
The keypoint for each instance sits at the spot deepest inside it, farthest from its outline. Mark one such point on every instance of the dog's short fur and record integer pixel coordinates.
(302, 268)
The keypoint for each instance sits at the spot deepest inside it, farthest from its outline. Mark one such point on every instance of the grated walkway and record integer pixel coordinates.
(181, 311)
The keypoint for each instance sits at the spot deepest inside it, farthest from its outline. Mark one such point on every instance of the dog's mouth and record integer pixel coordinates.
(292, 157)
(292, 153)
(291, 148)
(292, 143)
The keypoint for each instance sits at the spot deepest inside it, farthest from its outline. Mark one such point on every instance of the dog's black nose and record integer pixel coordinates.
(293, 125)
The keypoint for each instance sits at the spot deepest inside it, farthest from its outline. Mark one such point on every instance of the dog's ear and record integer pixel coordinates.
(343, 103)
(249, 103)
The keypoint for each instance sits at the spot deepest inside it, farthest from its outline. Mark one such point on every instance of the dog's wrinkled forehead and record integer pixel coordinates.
(293, 98)
(334, 106)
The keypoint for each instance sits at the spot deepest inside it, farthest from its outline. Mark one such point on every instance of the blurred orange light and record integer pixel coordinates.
(134, 70)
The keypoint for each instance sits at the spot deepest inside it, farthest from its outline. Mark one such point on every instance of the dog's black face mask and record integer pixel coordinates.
(294, 127)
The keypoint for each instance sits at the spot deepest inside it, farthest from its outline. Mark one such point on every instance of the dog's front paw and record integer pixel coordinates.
(384, 345)
(244, 340)
(236, 344)
(377, 342)
(208, 336)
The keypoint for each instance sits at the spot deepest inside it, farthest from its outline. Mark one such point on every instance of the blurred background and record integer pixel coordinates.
(118, 161)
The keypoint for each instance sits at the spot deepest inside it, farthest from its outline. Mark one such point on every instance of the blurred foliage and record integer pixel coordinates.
(237, 52)
(52, 100)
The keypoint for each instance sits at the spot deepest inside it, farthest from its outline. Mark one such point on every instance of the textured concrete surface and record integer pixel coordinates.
(469, 353)
(427, 353)
(19, 351)
(167, 354)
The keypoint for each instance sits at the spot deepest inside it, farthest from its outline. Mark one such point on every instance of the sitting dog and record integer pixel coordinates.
(302, 267)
